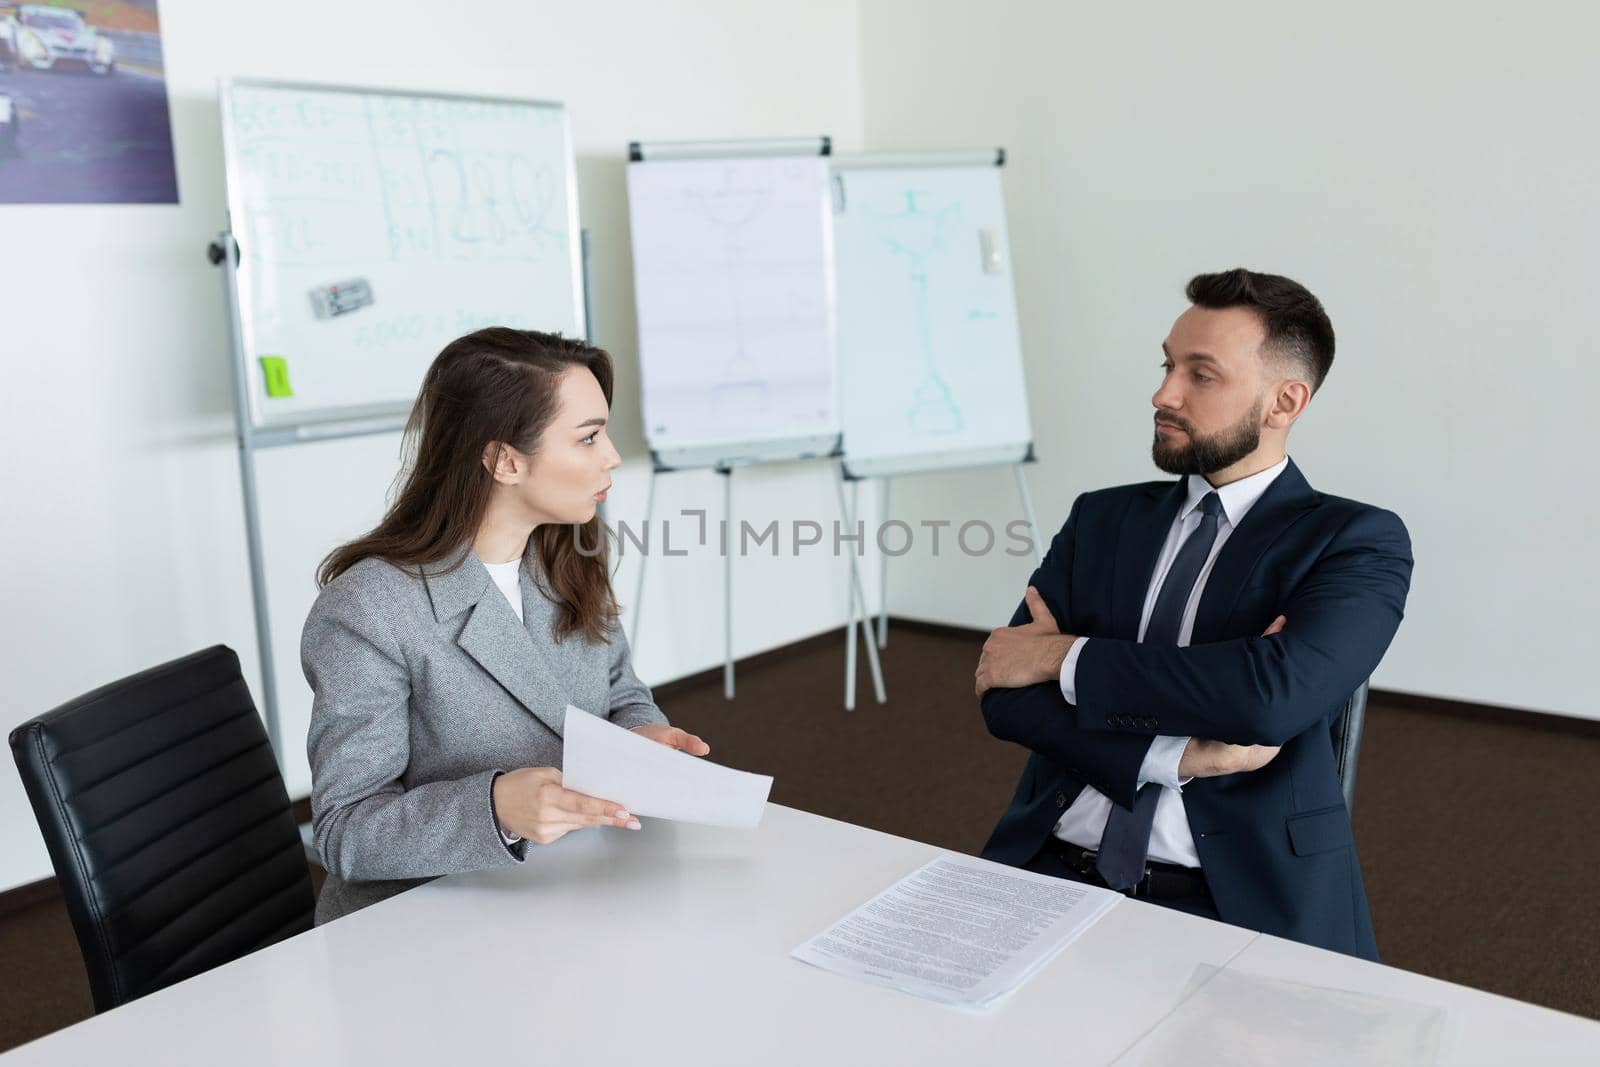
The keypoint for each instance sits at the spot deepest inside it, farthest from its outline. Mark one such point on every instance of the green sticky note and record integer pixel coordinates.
(276, 368)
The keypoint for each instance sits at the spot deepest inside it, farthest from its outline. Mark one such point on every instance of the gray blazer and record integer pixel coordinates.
(424, 689)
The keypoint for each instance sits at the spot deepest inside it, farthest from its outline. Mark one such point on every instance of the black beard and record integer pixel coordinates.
(1207, 455)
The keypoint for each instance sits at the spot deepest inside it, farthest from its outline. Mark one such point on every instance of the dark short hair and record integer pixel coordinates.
(1297, 327)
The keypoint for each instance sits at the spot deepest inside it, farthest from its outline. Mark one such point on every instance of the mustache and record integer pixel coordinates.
(1169, 420)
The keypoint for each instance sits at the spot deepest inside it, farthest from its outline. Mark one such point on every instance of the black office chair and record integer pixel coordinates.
(168, 824)
(1346, 731)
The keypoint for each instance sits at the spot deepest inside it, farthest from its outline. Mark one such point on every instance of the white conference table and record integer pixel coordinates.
(671, 945)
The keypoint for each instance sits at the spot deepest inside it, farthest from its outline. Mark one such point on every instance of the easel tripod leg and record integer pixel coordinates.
(858, 608)
(1027, 510)
(727, 587)
(644, 557)
(883, 570)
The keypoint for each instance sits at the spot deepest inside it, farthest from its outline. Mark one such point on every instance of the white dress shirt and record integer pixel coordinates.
(1171, 841)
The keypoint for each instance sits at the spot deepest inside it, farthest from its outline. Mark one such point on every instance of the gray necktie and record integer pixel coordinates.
(1126, 841)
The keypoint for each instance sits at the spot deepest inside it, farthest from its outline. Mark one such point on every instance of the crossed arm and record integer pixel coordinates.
(1265, 690)
(1250, 694)
(1023, 704)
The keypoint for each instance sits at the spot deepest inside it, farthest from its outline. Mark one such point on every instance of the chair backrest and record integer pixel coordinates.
(168, 824)
(1346, 731)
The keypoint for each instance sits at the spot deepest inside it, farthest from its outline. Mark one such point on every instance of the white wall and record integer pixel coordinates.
(122, 528)
(1429, 170)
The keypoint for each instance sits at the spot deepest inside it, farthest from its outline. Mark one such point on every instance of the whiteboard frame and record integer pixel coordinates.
(377, 417)
(943, 460)
(737, 452)
(935, 462)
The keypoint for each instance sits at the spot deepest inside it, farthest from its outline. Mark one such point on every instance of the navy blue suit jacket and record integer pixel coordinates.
(1275, 844)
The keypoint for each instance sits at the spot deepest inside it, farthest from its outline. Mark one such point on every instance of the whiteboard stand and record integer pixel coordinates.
(884, 562)
(722, 449)
(644, 557)
(588, 306)
(1027, 505)
(224, 252)
(883, 567)
(727, 583)
(725, 541)
(923, 273)
(857, 610)
(854, 593)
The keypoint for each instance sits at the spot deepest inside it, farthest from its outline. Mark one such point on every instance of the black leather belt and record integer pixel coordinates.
(1161, 881)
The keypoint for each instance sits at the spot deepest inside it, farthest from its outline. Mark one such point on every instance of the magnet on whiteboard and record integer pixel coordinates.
(989, 252)
(341, 298)
(275, 369)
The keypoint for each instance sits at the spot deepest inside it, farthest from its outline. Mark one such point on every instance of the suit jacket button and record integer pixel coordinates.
(1061, 800)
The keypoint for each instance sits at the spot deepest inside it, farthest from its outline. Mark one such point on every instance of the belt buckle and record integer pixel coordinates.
(1140, 890)
(1086, 857)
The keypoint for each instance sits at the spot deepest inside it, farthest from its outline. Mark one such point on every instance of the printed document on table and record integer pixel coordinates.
(958, 930)
(604, 760)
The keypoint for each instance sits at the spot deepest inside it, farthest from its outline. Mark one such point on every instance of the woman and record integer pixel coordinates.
(447, 643)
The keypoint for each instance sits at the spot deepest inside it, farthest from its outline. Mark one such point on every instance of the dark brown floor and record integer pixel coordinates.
(1475, 831)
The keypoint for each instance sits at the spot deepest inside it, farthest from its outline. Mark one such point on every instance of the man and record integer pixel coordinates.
(1182, 650)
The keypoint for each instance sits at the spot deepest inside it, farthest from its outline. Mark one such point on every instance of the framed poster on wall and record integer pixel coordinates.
(83, 104)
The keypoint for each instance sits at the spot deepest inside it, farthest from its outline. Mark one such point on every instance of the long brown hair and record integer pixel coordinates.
(497, 384)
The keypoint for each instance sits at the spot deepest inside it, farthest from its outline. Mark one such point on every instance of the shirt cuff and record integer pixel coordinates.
(1069, 671)
(1161, 759)
(506, 836)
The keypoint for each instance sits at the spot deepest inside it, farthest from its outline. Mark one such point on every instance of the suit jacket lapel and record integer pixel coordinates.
(1144, 530)
(492, 636)
(1285, 500)
(538, 629)
(503, 648)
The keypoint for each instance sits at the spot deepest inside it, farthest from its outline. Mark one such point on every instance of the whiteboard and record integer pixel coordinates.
(375, 227)
(733, 280)
(930, 358)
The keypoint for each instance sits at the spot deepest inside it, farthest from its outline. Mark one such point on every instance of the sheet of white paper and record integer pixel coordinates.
(1244, 1020)
(959, 930)
(604, 760)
